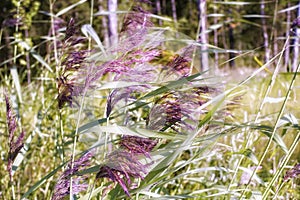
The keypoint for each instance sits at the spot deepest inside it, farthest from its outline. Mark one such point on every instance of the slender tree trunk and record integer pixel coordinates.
(164, 6)
(265, 32)
(158, 10)
(296, 45)
(275, 47)
(104, 29)
(174, 13)
(216, 40)
(231, 45)
(190, 7)
(287, 33)
(112, 22)
(203, 35)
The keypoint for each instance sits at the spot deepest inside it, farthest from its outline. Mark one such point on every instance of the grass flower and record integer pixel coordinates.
(292, 173)
(296, 23)
(11, 22)
(177, 109)
(132, 67)
(179, 65)
(120, 167)
(138, 145)
(134, 29)
(72, 60)
(136, 20)
(71, 29)
(62, 187)
(58, 26)
(14, 145)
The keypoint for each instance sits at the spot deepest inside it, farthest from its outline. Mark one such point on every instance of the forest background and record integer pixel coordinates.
(233, 26)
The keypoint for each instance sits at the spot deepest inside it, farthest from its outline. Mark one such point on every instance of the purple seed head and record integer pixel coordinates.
(62, 187)
(120, 167)
(136, 20)
(179, 65)
(11, 22)
(71, 29)
(292, 173)
(138, 145)
(14, 146)
(178, 109)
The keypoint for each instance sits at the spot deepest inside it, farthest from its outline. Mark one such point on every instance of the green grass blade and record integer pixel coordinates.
(87, 30)
(67, 9)
(16, 80)
(170, 86)
(41, 182)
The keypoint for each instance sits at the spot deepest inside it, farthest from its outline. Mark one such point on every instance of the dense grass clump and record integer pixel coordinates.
(139, 119)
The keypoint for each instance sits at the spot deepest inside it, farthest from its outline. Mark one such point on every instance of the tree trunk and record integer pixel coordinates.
(296, 45)
(174, 14)
(275, 47)
(158, 11)
(112, 22)
(164, 7)
(203, 35)
(216, 39)
(287, 33)
(104, 29)
(231, 46)
(265, 32)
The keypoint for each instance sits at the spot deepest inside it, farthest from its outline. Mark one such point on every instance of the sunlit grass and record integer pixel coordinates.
(213, 160)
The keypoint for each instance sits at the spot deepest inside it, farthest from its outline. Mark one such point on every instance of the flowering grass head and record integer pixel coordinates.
(15, 146)
(179, 65)
(62, 187)
(120, 167)
(178, 109)
(72, 60)
(292, 173)
(138, 145)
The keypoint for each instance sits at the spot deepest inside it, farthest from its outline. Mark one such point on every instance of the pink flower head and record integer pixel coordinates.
(62, 187)
(120, 167)
(14, 146)
(292, 173)
(138, 145)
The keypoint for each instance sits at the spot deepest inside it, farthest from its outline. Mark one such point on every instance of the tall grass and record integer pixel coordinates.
(137, 120)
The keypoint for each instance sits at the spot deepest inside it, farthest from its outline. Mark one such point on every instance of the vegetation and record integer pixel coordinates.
(101, 103)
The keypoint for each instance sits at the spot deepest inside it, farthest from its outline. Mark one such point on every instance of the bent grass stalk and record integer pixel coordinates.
(75, 141)
(58, 117)
(272, 81)
(281, 168)
(268, 189)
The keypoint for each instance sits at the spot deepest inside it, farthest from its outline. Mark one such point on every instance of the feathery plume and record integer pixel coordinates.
(14, 146)
(120, 167)
(179, 65)
(178, 109)
(72, 61)
(292, 173)
(138, 145)
(62, 187)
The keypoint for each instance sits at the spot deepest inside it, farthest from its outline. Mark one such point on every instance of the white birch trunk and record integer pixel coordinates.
(203, 34)
(265, 32)
(287, 33)
(296, 45)
(104, 25)
(112, 22)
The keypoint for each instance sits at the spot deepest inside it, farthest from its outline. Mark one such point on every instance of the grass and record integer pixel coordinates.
(191, 136)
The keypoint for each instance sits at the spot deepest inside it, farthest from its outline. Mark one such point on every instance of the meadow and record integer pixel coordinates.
(140, 119)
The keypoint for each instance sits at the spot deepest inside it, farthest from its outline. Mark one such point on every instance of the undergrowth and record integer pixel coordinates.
(140, 119)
